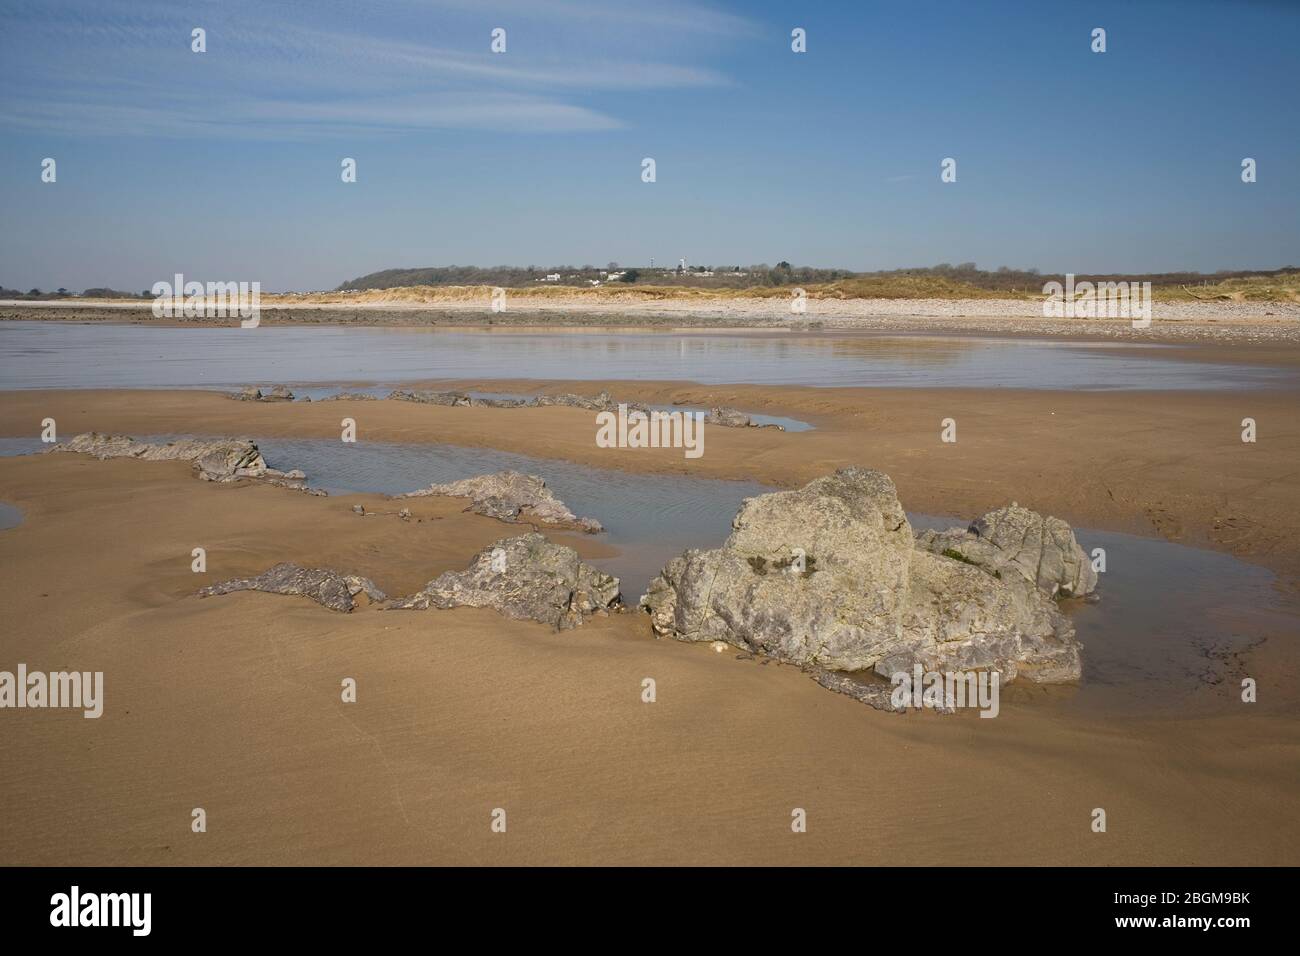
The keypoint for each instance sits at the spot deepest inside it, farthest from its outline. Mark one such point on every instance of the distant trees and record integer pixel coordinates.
(783, 274)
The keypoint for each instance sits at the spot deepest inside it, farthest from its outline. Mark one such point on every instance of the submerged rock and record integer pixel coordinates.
(734, 418)
(214, 459)
(524, 578)
(1016, 543)
(328, 588)
(511, 496)
(828, 576)
(430, 398)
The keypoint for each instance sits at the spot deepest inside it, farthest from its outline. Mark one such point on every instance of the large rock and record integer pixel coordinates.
(525, 578)
(329, 588)
(828, 577)
(1015, 542)
(511, 496)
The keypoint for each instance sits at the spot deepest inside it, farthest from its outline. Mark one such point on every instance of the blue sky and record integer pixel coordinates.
(225, 165)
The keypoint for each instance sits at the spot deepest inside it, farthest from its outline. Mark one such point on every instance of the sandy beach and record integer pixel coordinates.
(1177, 469)
(1226, 323)
(580, 435)
(232, 703)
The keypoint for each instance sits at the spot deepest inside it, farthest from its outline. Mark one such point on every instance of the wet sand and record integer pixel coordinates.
(1168, 465)
(232, 704)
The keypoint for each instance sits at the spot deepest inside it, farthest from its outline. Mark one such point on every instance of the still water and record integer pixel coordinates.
(1168, 620)
(72, 355)
(1166, 626)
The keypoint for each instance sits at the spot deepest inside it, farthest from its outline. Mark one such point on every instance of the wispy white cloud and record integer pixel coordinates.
(301, 69)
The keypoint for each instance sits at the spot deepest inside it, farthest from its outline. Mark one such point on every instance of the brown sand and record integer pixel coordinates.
(1162, 464)
(232, 704)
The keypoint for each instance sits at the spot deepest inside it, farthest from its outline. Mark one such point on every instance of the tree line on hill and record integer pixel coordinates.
(783, 273)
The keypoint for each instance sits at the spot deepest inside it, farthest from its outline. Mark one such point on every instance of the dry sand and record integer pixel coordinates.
(233, 703)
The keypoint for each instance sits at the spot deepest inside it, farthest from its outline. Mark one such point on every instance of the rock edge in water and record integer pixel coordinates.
(213, 459)
(511, 496)
(251, 393)
(829, 577)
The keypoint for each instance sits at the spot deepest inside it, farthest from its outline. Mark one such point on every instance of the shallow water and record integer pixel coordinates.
(318, 392)
(11, 516)
(73, 355)
(650, 518)
(1168, 622)
(1168, 618)
(21, 446)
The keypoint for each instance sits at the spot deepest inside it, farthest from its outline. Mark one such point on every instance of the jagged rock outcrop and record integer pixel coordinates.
(501, 402)
(251, 393)
(511, 496)
(734, 418)
(214, 459)
(328, 588)
(524, 578)
(828, 576)
(872, 693)
(430, 398)
(599, 403)
(349, 397)
(1016, 543)
(596, 404)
